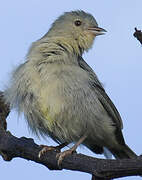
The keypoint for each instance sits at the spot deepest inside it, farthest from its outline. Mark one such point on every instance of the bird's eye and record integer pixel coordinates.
(77, 22)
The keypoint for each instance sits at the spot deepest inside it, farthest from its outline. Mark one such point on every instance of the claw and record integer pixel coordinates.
(45, 149)
(60, 156)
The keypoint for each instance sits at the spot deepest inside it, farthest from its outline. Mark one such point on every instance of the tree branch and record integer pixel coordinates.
(12, 147)
(4, 111)
(138, 34)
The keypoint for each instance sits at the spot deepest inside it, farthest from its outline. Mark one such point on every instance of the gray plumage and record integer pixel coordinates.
(60, 95)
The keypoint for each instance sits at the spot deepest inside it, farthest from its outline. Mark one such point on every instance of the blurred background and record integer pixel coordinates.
(116, 58)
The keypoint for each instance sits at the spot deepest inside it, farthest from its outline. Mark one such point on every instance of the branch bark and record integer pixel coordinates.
(12, 147)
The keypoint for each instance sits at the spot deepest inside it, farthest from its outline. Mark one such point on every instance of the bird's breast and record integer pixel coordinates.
(61, 88)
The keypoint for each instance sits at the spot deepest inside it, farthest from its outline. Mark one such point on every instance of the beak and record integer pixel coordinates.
(97, 30)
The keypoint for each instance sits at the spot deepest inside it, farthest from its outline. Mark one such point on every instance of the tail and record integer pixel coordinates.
(124, 153)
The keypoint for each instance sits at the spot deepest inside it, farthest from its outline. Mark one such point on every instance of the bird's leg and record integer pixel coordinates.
(70, 151)
(46, 148)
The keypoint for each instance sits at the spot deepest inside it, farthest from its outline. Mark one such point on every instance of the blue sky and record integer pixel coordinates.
(116, 58)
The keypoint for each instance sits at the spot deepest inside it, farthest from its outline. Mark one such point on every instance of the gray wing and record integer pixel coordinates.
(103, 97)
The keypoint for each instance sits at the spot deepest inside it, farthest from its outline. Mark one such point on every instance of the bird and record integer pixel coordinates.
(60, 95)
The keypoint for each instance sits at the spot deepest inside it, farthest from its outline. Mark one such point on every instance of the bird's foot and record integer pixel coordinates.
(60, 156)
(46, 148)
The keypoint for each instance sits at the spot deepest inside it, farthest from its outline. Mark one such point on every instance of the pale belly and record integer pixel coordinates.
(70, 108)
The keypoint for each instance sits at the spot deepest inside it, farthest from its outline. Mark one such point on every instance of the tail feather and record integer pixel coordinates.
(124, 153)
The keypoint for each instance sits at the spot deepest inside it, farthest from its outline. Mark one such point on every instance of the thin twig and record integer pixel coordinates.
(138, 34)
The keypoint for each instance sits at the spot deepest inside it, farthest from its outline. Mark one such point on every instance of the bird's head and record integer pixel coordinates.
(77, 27)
